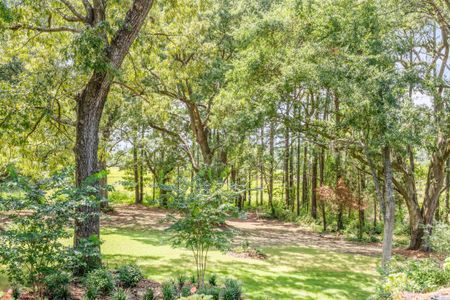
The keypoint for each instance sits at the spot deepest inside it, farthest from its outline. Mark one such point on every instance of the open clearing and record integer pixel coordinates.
(300, 264)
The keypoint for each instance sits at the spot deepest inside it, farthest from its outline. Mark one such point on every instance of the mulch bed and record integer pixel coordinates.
(77, 291)
(442, 294)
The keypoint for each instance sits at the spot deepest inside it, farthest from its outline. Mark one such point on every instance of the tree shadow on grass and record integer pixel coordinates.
(289, 273)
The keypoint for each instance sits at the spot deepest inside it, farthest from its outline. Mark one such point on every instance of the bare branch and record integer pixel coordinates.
(43, 29)
(69, 5)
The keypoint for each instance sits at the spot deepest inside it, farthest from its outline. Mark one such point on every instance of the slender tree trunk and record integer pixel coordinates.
(305, 177)
(137, 195)
(447, 194)
(272, 161)
(249, 188)
(389, 218)
(361, 188)
(314, 187)
(322, 180)
(298, 175)
(261, 167)
(287, 192)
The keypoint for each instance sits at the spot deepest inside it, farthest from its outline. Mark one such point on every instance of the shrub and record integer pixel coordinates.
(57, 286)
(200, 228)
(232, 290)
(181, 280)
(214, 292)
(120, 295)
(129, 275)
(31, 244)
(213, 280)
(149, 295)
(439, 240)
(446, 265)
(169, 290)
(185, 291)
(99, 282)
(423, 275)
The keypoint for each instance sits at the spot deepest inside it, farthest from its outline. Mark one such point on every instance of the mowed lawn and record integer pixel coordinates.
(290, 272)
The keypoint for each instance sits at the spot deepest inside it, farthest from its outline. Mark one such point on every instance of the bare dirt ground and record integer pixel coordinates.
(254, 229)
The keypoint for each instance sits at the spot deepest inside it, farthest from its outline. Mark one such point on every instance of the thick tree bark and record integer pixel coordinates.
(389, 217)
(90, 104)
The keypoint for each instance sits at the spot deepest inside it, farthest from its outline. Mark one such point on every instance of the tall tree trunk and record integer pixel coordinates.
(305, 177)
(272, 161)
(314, 187)
(447, 194)
(322, 180)
(261, 168)
(340, 221)
(90, 104)
(137, 197)
(361, 188)
(291, 179)
(287, 192)
(249, 188)
(297, 196)
(389, 217)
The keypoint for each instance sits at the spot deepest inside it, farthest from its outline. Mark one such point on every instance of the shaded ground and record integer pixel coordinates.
(259, 232)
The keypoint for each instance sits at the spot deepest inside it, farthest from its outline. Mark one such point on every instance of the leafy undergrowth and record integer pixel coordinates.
(289, 272)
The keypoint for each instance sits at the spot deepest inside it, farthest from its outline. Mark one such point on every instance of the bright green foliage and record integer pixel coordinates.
(99, 282)
(201, 227)
(57, 286)
(129, 275)
(32, 243)
(421, 275)
(439, 241)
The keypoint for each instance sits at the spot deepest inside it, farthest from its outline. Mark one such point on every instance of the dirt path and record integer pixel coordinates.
(258, 231)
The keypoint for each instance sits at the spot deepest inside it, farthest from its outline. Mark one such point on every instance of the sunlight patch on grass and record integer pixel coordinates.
(288, 273)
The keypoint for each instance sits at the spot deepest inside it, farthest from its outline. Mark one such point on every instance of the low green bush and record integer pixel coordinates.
(185, 291)
(129, 275)
(169, 290)
(99, 282)
(420, 276)
(149, 295)
(213, 280)
(212, 291)
(232, 290)
(120, 295)
(439, 240)
(57, 286)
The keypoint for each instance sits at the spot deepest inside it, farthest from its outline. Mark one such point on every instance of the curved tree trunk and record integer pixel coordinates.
(90, 104)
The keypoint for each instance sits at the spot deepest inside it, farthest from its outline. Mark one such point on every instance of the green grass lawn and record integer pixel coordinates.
(288, 273)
